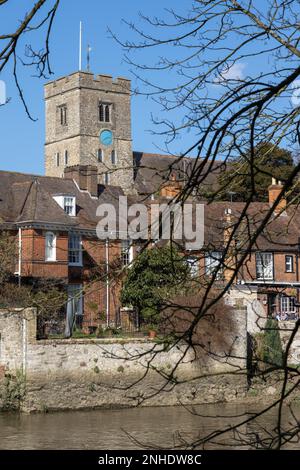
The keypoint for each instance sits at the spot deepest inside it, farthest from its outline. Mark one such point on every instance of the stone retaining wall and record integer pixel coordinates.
(77, 374)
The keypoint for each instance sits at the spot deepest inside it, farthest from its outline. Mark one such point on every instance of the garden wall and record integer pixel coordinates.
(61, 374)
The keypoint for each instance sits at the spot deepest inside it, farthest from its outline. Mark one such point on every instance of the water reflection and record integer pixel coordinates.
(125, 429)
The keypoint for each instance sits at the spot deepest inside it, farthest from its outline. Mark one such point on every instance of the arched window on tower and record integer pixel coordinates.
(63, 115)
(101, 112)
(113, 157)
(100, 155)
(107, 113)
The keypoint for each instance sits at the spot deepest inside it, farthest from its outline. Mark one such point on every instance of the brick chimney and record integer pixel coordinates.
(86, 176)
(274, 191)
(171, 188)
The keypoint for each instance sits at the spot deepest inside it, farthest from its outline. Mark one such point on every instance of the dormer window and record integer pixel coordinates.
(69, 205)
(105, 112)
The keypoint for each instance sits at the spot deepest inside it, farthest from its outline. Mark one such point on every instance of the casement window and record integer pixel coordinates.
(264, 266)
(57, 159)
(289, 264)
(75, 305)
(100, 155)
(75, 250)
(104, 112)
(50, 246)
(287, 304)
(126, 252)
(106, 178)
(113, 157)
(192, 262)
(213, 265)
(63, 115)
(66, 158)
(70, 205)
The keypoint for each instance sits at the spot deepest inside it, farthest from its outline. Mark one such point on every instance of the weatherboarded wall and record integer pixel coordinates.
(76, 374)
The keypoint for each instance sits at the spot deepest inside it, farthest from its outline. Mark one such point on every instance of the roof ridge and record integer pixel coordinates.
(26, 199)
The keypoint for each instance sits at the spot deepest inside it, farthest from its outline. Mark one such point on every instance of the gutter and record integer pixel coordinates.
(271, 283)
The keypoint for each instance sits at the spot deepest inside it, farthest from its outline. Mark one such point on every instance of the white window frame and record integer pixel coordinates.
(50, 249)
(264, 266)
(75, 249)
(106, 178)
(289, 264)
(126, 252)
(287, 304)
(70, 205)
(212, 264)
(193, 264)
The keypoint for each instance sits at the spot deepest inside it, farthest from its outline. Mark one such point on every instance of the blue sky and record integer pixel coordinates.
(21, 143)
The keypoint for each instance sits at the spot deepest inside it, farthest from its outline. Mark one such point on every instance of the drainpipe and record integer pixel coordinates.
(24, 345)
(107, 280)
(297, 268)
(20, 257)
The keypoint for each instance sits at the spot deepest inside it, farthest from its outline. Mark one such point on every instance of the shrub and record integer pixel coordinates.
(154, 276)
(268, 345)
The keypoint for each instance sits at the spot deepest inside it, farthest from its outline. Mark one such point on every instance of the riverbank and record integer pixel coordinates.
(78, 374)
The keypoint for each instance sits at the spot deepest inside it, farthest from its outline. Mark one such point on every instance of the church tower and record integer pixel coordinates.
(88, 122)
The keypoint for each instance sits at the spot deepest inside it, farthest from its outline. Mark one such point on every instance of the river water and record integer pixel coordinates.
(134, 428)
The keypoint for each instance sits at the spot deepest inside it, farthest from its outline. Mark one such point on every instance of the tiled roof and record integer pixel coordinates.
(152, 170)
(29, 198)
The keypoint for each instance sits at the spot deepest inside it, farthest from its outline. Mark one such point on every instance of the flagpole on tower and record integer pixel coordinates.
(80, 46)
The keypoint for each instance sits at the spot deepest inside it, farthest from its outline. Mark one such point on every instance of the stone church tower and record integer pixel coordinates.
(88, 122)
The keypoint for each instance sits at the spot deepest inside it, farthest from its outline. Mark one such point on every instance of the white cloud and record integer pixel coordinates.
(234, 72)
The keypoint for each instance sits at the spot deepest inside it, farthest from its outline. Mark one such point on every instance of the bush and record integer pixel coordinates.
(155, 275)
(268, 345)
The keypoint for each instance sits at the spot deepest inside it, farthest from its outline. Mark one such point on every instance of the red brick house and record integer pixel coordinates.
(89, 161)
(54, 222)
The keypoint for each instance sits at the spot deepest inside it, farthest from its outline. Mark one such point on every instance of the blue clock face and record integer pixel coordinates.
(106, 137)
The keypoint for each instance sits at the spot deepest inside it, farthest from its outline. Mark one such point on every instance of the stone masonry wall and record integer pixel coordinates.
(81, 93)
(77, 374)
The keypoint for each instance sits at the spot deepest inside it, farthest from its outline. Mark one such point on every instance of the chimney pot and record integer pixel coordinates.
(274, 191)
